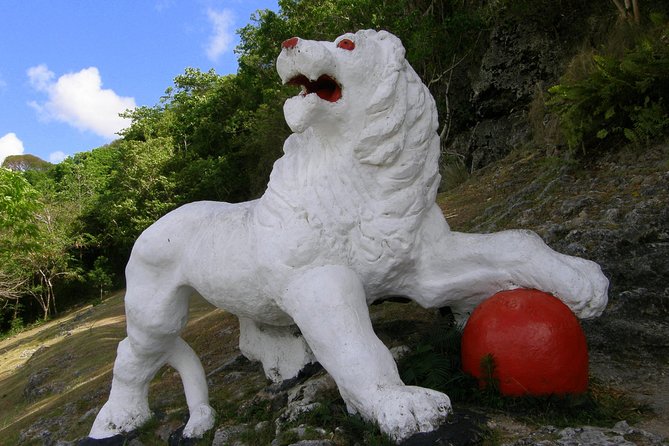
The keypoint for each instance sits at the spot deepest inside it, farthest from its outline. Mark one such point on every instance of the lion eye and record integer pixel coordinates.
(346, 44)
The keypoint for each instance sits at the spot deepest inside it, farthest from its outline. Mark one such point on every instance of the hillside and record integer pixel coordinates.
(55, 377)
(615, 212)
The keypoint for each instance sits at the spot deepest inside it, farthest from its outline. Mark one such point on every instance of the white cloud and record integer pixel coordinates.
(79, 100)
(10, 144)
(223, 33)
(40, 77)
(57, 157)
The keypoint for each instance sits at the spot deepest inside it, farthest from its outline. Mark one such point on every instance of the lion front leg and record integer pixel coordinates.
(328, 304)
(461, 270)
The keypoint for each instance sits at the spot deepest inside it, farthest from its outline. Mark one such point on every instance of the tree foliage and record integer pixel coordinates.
(18, 206)
(618, 98)
(18, 229)
(138, 192)
(25, 162)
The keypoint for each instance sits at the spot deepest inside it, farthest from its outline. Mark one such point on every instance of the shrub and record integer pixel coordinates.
(619, 98)
(454, 172)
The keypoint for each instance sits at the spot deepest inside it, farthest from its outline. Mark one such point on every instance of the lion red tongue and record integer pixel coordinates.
(325, 87)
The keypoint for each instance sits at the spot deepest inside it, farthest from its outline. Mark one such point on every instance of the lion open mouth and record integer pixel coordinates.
(325, 87)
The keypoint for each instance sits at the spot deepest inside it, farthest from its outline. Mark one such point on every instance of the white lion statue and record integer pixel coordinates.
(348, 218)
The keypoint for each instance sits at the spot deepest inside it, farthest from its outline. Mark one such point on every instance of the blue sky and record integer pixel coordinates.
(68, 67)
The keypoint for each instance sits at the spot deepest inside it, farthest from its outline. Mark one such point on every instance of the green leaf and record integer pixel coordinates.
(630, 135)
(603, 133)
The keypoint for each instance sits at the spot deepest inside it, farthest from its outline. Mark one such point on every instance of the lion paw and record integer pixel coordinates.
(201, 419)
(114, 419)
(405, 410)
(589, 289)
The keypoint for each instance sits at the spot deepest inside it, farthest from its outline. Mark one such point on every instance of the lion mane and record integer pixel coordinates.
(368, 192)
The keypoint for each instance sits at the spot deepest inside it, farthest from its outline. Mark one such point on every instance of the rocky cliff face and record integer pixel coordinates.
(615, 213)
(614, 210)
(525, 53)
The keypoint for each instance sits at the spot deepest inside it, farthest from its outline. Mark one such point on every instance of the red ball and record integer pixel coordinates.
(536, 342)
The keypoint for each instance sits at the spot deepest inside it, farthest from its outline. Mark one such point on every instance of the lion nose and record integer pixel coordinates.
(290, 43)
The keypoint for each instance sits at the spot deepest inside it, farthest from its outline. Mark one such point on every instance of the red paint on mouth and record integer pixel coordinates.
(325, 87)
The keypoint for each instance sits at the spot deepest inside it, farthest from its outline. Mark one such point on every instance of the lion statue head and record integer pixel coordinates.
(360, 88)
(364, 156)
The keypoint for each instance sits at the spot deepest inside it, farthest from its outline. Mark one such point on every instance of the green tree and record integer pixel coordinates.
(22, 163)
(210, 120)
(100, 275)
(81, 178)
(138, 192)
(36, 239)
(18, 231)
(18, 205)
(50, 259)
(619, 97)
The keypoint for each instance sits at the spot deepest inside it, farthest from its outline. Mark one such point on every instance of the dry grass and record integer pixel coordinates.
(487, 187)
(44, 369)
(56, 376)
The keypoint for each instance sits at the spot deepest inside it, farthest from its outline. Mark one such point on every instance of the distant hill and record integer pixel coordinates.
(21, 163)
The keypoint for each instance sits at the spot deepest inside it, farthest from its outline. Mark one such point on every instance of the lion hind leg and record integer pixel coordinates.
(186, 362)
(155, 317)
(127, 407)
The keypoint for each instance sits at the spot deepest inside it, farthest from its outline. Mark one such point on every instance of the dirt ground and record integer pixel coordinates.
(644, 381)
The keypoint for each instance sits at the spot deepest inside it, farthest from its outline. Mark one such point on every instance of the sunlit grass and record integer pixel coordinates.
(75, 355)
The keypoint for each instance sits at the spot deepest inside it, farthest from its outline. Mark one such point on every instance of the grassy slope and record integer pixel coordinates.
(62, 360)
(53, 377)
